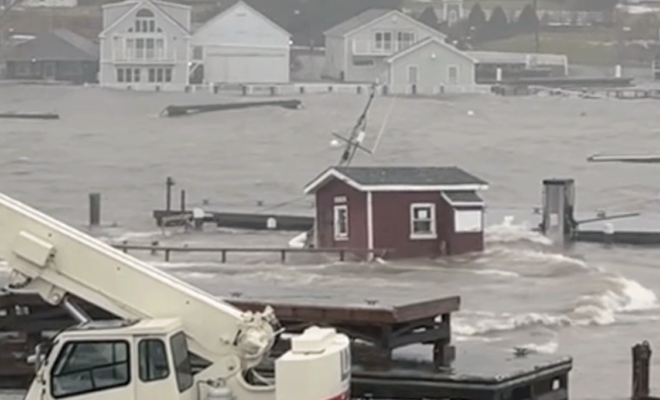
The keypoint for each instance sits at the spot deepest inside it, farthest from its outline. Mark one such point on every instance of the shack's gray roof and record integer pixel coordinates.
(401, 179)
(57, 45)
(357, 21)
(464, 197)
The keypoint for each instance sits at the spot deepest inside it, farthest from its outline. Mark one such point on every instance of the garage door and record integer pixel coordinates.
(246, 68)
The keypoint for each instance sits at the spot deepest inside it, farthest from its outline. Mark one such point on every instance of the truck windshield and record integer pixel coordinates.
(181, 358)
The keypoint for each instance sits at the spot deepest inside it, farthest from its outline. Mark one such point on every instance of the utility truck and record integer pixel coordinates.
(162, 323)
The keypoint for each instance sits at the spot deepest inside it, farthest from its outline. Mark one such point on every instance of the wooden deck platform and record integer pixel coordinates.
(256, 221)
(475, 374)
(594, 227)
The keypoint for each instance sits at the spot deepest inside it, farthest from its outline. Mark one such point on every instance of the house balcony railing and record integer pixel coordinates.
(373, 48)
(146, 56)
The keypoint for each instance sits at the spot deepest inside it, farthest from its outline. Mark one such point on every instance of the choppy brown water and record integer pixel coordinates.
(588, 301)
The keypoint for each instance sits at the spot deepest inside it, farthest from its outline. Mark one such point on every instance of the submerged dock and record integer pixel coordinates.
(28, 115)
(376, 329)
(176, 111)
(559, 220)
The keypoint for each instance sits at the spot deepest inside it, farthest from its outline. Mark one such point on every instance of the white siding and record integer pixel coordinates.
(174, 54)
(433, 62)
(361, 41)
(335, 57)
(242, 46)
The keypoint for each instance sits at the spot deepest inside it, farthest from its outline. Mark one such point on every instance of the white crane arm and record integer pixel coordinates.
(52, 259)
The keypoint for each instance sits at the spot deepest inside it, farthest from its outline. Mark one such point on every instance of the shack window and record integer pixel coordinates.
(422, 221)
(153, 360)
(341, 222)
(181, 358)
(468, 221)
(85, 367)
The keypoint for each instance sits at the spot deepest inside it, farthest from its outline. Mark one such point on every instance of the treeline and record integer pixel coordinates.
(478, 28)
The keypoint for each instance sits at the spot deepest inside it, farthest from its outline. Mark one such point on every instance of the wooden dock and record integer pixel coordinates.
(477, 374)
(255, 221)
(167, 251)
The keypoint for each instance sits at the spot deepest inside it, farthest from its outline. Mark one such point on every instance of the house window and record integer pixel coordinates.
(422, 221)
(383, 41)
(152, 360)
(139, 48)
(129, 74)
(120, 75)
(378, 40)
(468, 221)
(404, 40)
(160, 49)
(387, 41)
(341, 222)
(86, 367)
(130, 49)
(151, 49)
(136, 75)
(160, 74)
(452, 74)
(145, 21)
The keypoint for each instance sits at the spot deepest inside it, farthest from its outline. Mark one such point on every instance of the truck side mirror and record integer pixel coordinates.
(40, 352)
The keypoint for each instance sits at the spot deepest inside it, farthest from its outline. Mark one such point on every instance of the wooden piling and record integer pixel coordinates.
(183, 200)
(641, 371)
(169, 182)
(94, 209)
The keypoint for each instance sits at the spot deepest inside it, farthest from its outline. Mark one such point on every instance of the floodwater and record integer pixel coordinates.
(588, 301)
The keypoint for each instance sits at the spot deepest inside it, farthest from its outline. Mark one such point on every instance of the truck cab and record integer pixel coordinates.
(116, 360)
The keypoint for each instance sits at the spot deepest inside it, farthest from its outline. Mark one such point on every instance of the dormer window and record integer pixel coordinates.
(145, 21)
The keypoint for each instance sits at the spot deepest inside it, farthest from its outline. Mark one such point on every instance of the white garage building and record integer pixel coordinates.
(241, 45)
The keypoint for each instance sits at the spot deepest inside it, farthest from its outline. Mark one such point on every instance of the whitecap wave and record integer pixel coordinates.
(508, 231)
(608, 306)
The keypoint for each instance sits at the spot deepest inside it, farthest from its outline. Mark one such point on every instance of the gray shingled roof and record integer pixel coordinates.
(463, 197)
(420, 176)
(58, 45)
(357, 21)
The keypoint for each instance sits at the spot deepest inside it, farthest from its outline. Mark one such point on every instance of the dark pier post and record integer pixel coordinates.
(94, 209)
(558, 205)
(641, 378)
(183, 201)
(169, 182)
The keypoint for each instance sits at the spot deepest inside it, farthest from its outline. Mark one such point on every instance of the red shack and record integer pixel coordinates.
(415, 211)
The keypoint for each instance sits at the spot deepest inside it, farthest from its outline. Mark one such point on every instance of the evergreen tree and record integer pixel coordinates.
(477, 17)
(498, 24)
(429, 18)
(528, 21)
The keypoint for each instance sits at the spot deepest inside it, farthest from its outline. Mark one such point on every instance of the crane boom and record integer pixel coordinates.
(58, 259)
(52, 259)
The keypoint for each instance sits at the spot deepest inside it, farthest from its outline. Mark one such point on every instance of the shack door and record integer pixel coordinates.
(324, 228)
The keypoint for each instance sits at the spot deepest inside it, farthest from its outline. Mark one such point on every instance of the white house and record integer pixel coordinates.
(429, 67)
(145, 45)
(393, 48)
(241, 45)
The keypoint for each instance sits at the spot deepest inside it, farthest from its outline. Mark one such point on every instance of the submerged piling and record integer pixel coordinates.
(558, 205)
(641, 371)
(94, 209)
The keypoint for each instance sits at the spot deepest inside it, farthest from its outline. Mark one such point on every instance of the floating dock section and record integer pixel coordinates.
(475, 374)
(175, 111)
(13, 115)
